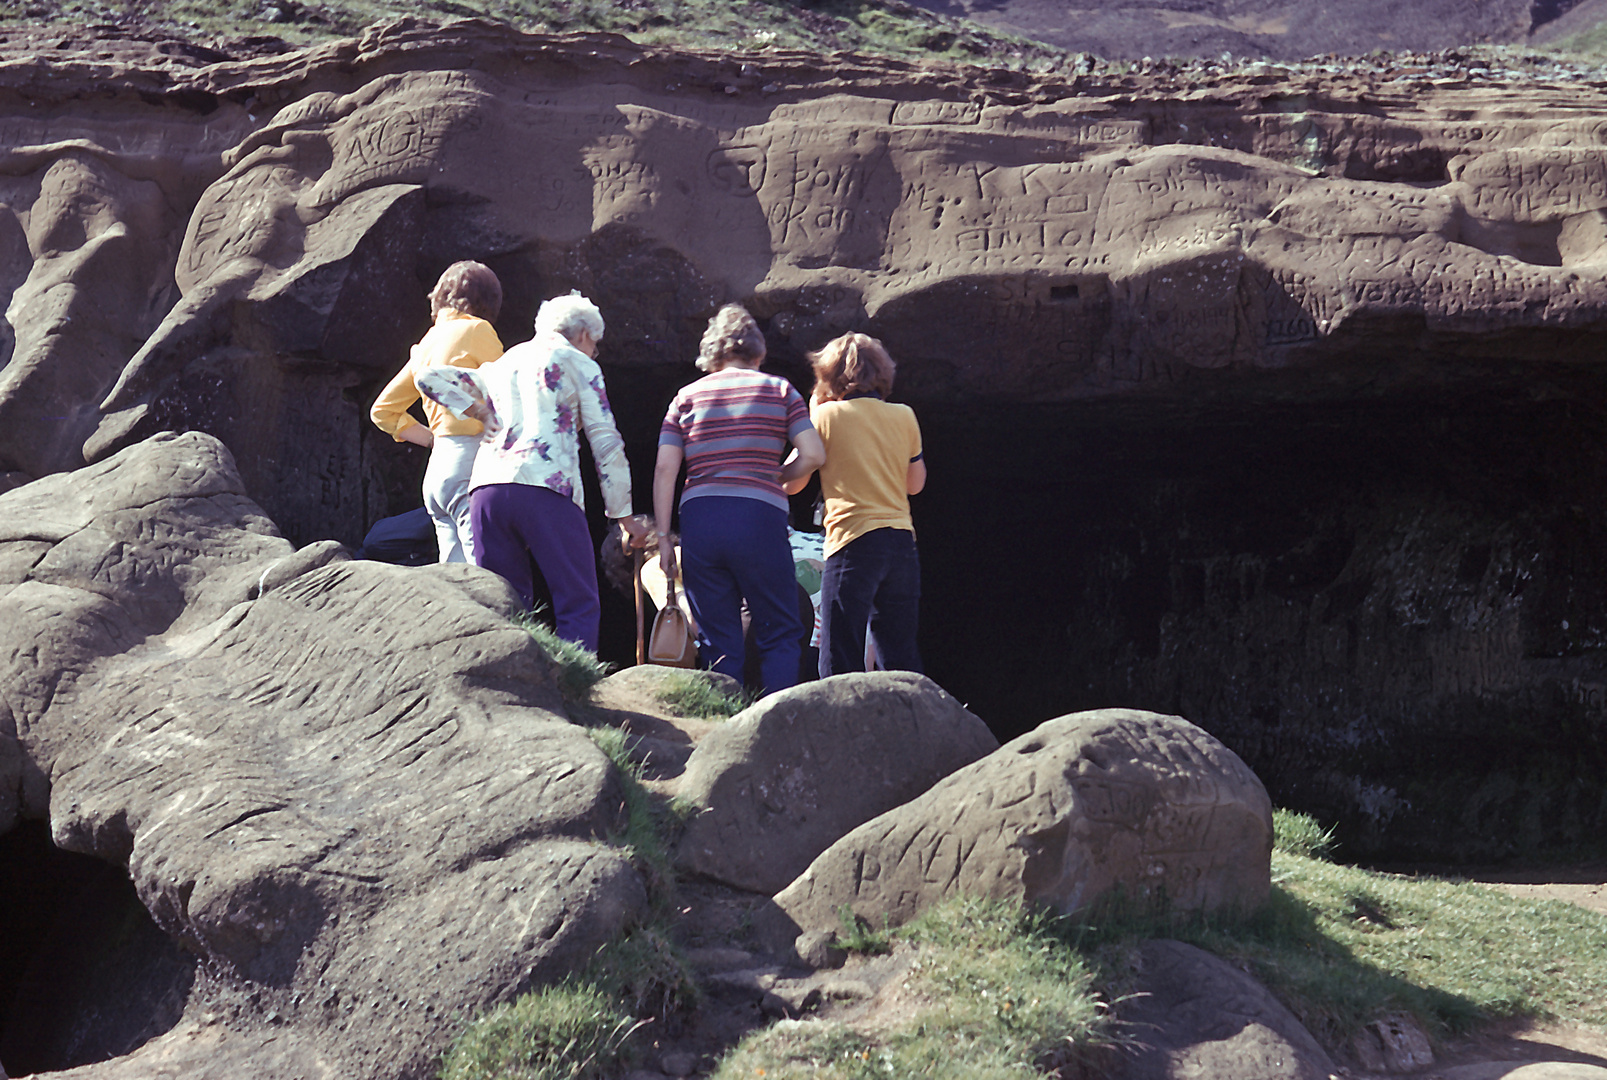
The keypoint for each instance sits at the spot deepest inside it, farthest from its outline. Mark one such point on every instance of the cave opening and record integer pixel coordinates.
(1393, 607)
(85, 974)
(1390, 601)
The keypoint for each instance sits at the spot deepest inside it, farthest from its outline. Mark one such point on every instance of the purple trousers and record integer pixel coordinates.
(514, 523)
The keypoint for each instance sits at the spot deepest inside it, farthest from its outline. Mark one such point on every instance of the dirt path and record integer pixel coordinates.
(1587, 888)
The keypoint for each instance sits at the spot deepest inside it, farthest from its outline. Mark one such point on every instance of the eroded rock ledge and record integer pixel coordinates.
(1300, 367)
(308, 766)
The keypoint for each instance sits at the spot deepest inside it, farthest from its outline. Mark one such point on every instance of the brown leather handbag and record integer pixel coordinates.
(671, 643)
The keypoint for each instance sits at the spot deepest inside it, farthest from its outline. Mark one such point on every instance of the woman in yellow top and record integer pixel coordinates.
(463, 304)
(873, 465)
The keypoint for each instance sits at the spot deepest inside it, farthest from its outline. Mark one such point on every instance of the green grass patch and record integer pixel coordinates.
(742, 26)
(694, 695)
(649, 822)
(1301, 834)
(859, 936)
(578, 667)
(1001, 996)
(567, 1032)
(1341, 946)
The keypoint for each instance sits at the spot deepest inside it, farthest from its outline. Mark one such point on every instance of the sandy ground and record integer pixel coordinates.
(1591, 893)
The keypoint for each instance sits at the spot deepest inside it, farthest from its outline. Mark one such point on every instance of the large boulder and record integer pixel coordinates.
(348, 787)
(1193, 1014)
(1061, 817)
(779, 783)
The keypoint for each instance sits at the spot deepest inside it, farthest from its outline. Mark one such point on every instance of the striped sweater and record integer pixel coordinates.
(734, 426)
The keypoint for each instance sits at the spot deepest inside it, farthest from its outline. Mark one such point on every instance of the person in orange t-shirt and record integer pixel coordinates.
(464, 303)
(874, 463)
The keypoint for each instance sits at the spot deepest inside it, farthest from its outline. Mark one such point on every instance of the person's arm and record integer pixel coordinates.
(792, 487)
(463, 393)
(607, 447)
(389, 411)
(915, 480)
(665, 471)
(417, 434)
(808, 454)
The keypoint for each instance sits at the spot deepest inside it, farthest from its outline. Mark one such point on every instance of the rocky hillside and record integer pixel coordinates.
(1283, 29)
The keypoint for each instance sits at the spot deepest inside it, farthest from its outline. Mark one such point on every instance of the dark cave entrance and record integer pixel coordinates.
(1392, 605)
(1394, 608)
(85, 975)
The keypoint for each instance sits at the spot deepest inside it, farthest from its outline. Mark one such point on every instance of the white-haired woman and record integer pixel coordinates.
(464, 303)
(525, 491)
(732, 427)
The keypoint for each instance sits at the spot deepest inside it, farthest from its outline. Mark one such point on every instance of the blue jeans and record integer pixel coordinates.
(874, 579)
(734, 549)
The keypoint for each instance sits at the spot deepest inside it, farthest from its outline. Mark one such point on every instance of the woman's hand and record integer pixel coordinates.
(636, 532)
(666, 558)
(418, 435)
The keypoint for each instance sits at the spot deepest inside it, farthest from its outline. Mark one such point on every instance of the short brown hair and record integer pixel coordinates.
(852, 364)
(469, 287)
(732, 334)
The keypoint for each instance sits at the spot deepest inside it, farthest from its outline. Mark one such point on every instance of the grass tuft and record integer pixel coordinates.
(578, 667)
(859, 936)
(567, 1032)
(694, 695)
(1000, 996)
(1300, 834)
(646, 972)
(647, 821)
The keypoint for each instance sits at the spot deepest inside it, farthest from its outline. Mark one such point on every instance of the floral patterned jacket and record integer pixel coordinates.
(534, 402)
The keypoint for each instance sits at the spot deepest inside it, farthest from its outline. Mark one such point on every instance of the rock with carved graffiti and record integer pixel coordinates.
(776, 785)
(349, 788)
(1062, 817)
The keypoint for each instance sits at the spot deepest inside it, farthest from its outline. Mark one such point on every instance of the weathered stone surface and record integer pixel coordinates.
(780, 782)
(1524, 1070)
(1189, 1013)
(346, 786)
(280, 218)
(1393, 1044)
(1373, 288)
(1060, 817)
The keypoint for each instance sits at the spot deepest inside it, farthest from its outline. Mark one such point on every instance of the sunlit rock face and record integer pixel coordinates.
(1266, 399)
(347, 791)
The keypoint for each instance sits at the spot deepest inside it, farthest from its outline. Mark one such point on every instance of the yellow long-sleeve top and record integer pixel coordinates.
(456, 340)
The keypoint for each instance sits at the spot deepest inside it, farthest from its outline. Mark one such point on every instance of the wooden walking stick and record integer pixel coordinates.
(641, 626)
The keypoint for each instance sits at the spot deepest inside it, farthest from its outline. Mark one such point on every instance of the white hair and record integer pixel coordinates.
(569, 315)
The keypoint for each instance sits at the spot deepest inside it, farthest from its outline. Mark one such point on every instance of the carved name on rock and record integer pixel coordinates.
(778, 783)
(346, 786)
(243, 247)
(1060, 817)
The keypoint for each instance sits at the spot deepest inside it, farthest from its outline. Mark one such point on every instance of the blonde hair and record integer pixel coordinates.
(732, 335)
(469, 287)
(853, 363)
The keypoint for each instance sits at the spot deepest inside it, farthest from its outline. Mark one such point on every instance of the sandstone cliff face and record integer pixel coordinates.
(1289, 378)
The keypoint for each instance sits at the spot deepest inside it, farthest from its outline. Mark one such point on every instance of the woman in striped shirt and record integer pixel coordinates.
(731, 428)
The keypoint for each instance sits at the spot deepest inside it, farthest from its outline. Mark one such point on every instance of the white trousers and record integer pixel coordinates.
(446, 494)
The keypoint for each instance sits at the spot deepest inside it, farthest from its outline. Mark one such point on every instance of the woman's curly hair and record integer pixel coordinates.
(852, 364)
(469, 287)
(732, 335)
